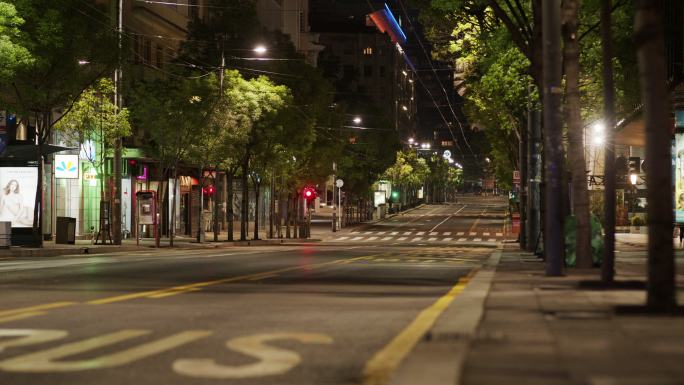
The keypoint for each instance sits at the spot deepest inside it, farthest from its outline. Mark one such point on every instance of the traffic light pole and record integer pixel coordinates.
(334, 211)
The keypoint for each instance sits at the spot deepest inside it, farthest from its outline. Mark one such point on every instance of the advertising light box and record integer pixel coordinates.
(17, 195)
(66, 166)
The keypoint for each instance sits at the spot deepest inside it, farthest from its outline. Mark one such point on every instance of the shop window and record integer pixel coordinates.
(368, 51)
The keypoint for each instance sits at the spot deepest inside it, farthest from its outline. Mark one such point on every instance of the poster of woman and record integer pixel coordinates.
(17, 195)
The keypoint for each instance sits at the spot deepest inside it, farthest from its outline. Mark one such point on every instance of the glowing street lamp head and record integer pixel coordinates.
(357, 120)
(260, 49)
(598, 127)
(410, 140)
(598, 140)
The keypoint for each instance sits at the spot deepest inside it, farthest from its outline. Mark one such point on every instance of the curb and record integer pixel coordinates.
(445, 347)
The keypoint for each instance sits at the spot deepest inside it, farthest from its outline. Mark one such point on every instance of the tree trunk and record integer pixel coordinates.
(649, 38)
(553, 140)
(172, 231)
(200, 216)
(608, 265)
(580, 195)
(216, 206)
(229, 211)
(257, 186)
(288, 215)
(244, 216)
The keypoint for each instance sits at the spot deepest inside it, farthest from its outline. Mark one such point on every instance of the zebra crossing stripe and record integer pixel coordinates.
(407, 233)
(387, 238)
(460, 233)
(356, 238)
(401, 239)
(432, 239)
(394, 233)
(499, 234)
(477, 240)
(368, 232)
(371, 238)
(447, 239)
(380, 232)
(472, 234)
(462, 239)
(342, 238)
(485, 234)
(434, 233)
(420, 233)
(491, 240)
(447, 233)
(416, 239)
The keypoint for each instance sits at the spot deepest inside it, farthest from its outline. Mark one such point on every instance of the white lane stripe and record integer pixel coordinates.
(368, 232)
(447, 233)
(499, 234)
(477, 240)
(416, 239)
(407, 233)
(356, 238)
(342, 238)
(401, 239)
(491, 240)
(432, 239)
(420, 233)
(387, 238)
(472, 234)
(447, 239)
(434, 233)
(394, 233)
(371, 238)
(485, 234)
(380, 232)
(460, 233)
(462, 239)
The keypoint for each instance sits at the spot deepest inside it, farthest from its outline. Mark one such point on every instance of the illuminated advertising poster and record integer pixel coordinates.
(679, 177)
(17, 195)
(66, 166)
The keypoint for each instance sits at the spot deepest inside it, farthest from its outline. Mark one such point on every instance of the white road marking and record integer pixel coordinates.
(407, 233)
(485, 234)
(491, 240)
(447, 239)
(447, 233)
(394, 233)
(462, 239)
(432, 239)
(380, 232)
(477, 240)
(368, 232)
(434, 233)
(28, 337)
(416, 239)
(342, 238)
(356, 238)
(387, 238)
(401, 239)
(499, 234)
(48, 360)
(371, 238)
(472, 234)
(420, 233)
(460, 233)
(271, 360)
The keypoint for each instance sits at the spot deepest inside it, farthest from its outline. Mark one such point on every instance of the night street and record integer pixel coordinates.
(291, 314)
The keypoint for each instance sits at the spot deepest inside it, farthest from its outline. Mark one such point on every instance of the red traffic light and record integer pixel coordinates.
(309, 193)
(209, 190)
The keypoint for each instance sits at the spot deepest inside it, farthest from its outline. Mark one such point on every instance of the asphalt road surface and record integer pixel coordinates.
(343, 311)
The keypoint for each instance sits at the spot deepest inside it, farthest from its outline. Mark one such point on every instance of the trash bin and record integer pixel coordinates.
(5, 234)
(66, 230)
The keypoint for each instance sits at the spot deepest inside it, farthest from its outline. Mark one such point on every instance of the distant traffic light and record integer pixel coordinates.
(209, 190)
(309, 193)
(395, 194)
(634, 165)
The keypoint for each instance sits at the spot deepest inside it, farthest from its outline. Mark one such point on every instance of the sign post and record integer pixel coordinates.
(339, 183)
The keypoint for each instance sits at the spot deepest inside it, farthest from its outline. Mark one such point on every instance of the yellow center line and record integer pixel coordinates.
(380, 367)
(29, 309)
(160, 293)
(20, 316)
(476, 221)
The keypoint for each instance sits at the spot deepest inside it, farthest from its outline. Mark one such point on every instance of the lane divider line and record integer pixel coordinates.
(46, 306)
(381, 366)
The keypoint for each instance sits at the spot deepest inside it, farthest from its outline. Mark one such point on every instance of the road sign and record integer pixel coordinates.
(447, 154)
(339, 183)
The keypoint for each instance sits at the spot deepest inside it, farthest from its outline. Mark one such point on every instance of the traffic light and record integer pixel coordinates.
(634, 165)
(395, 194)
(309, 193)
(209, 190)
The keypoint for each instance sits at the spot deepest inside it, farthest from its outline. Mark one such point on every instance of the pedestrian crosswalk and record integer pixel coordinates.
(422, 236)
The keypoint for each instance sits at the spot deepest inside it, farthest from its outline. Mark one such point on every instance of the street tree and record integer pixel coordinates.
(53, 80)
(94, 123)
(13, 53)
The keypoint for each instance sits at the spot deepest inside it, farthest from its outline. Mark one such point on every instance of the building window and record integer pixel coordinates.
(368, 51)
(368, 71)
(193, 9)
(160, 56)
(447, 143)
(147, 51)
(382, 71)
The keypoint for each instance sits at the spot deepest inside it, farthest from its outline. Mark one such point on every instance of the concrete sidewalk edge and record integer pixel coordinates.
(444, 348)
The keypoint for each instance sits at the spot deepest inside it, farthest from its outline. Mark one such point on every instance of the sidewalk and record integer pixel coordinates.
(543, 330)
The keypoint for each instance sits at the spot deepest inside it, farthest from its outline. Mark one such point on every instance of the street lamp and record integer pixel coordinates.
(357, 120)
(410, 140)
(260, 49)
(83, 62)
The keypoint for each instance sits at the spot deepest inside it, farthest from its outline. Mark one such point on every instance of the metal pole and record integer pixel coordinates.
(116, 207)
(553, 140)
